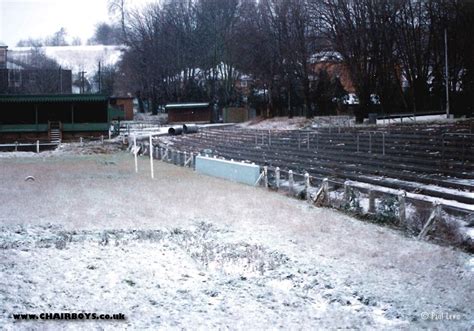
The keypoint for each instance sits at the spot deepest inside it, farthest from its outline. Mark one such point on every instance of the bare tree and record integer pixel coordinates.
(106, 34)
(361, 31)
(118, 7)
(57, 39)
(196, 49)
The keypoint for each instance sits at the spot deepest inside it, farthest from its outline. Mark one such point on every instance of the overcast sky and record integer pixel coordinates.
(21, 19)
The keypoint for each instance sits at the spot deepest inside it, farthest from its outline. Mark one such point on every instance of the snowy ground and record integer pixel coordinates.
(149, 118)
(189, 251)
(425, 118)
(76, 148)
(277, 123)
(298, 122)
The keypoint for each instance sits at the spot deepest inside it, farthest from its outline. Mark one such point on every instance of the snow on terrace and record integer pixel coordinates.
(277, 123)
(76, 58)
(297, 122)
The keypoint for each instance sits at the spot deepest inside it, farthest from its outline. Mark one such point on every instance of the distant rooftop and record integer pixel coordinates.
(12, 65)
(326, 56)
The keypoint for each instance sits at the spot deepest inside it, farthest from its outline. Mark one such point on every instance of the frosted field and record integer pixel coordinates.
(193, 252)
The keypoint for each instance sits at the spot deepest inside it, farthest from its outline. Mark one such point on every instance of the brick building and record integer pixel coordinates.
(125, 104)
(335, 66)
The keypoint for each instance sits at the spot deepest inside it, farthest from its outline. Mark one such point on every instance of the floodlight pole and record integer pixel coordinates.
(446, 70)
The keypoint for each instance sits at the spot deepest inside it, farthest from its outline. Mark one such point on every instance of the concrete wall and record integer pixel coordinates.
(234, 171)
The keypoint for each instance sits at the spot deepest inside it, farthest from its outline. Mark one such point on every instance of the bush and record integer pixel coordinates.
(387, 209)
(353, 202)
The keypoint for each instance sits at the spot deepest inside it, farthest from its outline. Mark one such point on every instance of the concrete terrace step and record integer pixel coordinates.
(436, 163)
(413, 164)
(317, 160)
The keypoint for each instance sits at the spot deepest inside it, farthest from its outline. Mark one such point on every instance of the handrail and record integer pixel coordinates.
(370, 139)
(443, 142)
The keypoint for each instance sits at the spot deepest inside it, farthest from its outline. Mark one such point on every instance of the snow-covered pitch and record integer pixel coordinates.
(195, 252)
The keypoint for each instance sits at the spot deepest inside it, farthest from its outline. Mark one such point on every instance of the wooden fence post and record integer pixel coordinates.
(322, 195)
(402, 206)
(435, 216)
(265, 176)
(371, 202)
(438, 210)
(326, 190)
(277, 177)
(135, 152)
(347, 193)
(151, 158)
(307, 186)
(290, 181)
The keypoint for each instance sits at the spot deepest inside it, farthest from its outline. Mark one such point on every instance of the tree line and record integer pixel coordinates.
(195, 50)
(58, 38)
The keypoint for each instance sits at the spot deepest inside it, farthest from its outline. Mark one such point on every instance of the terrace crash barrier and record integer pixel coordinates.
(235, 171)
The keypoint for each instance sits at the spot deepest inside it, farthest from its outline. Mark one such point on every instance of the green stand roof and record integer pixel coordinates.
(53, 98)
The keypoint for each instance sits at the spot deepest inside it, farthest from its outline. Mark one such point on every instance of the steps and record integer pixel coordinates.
(55, 134)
